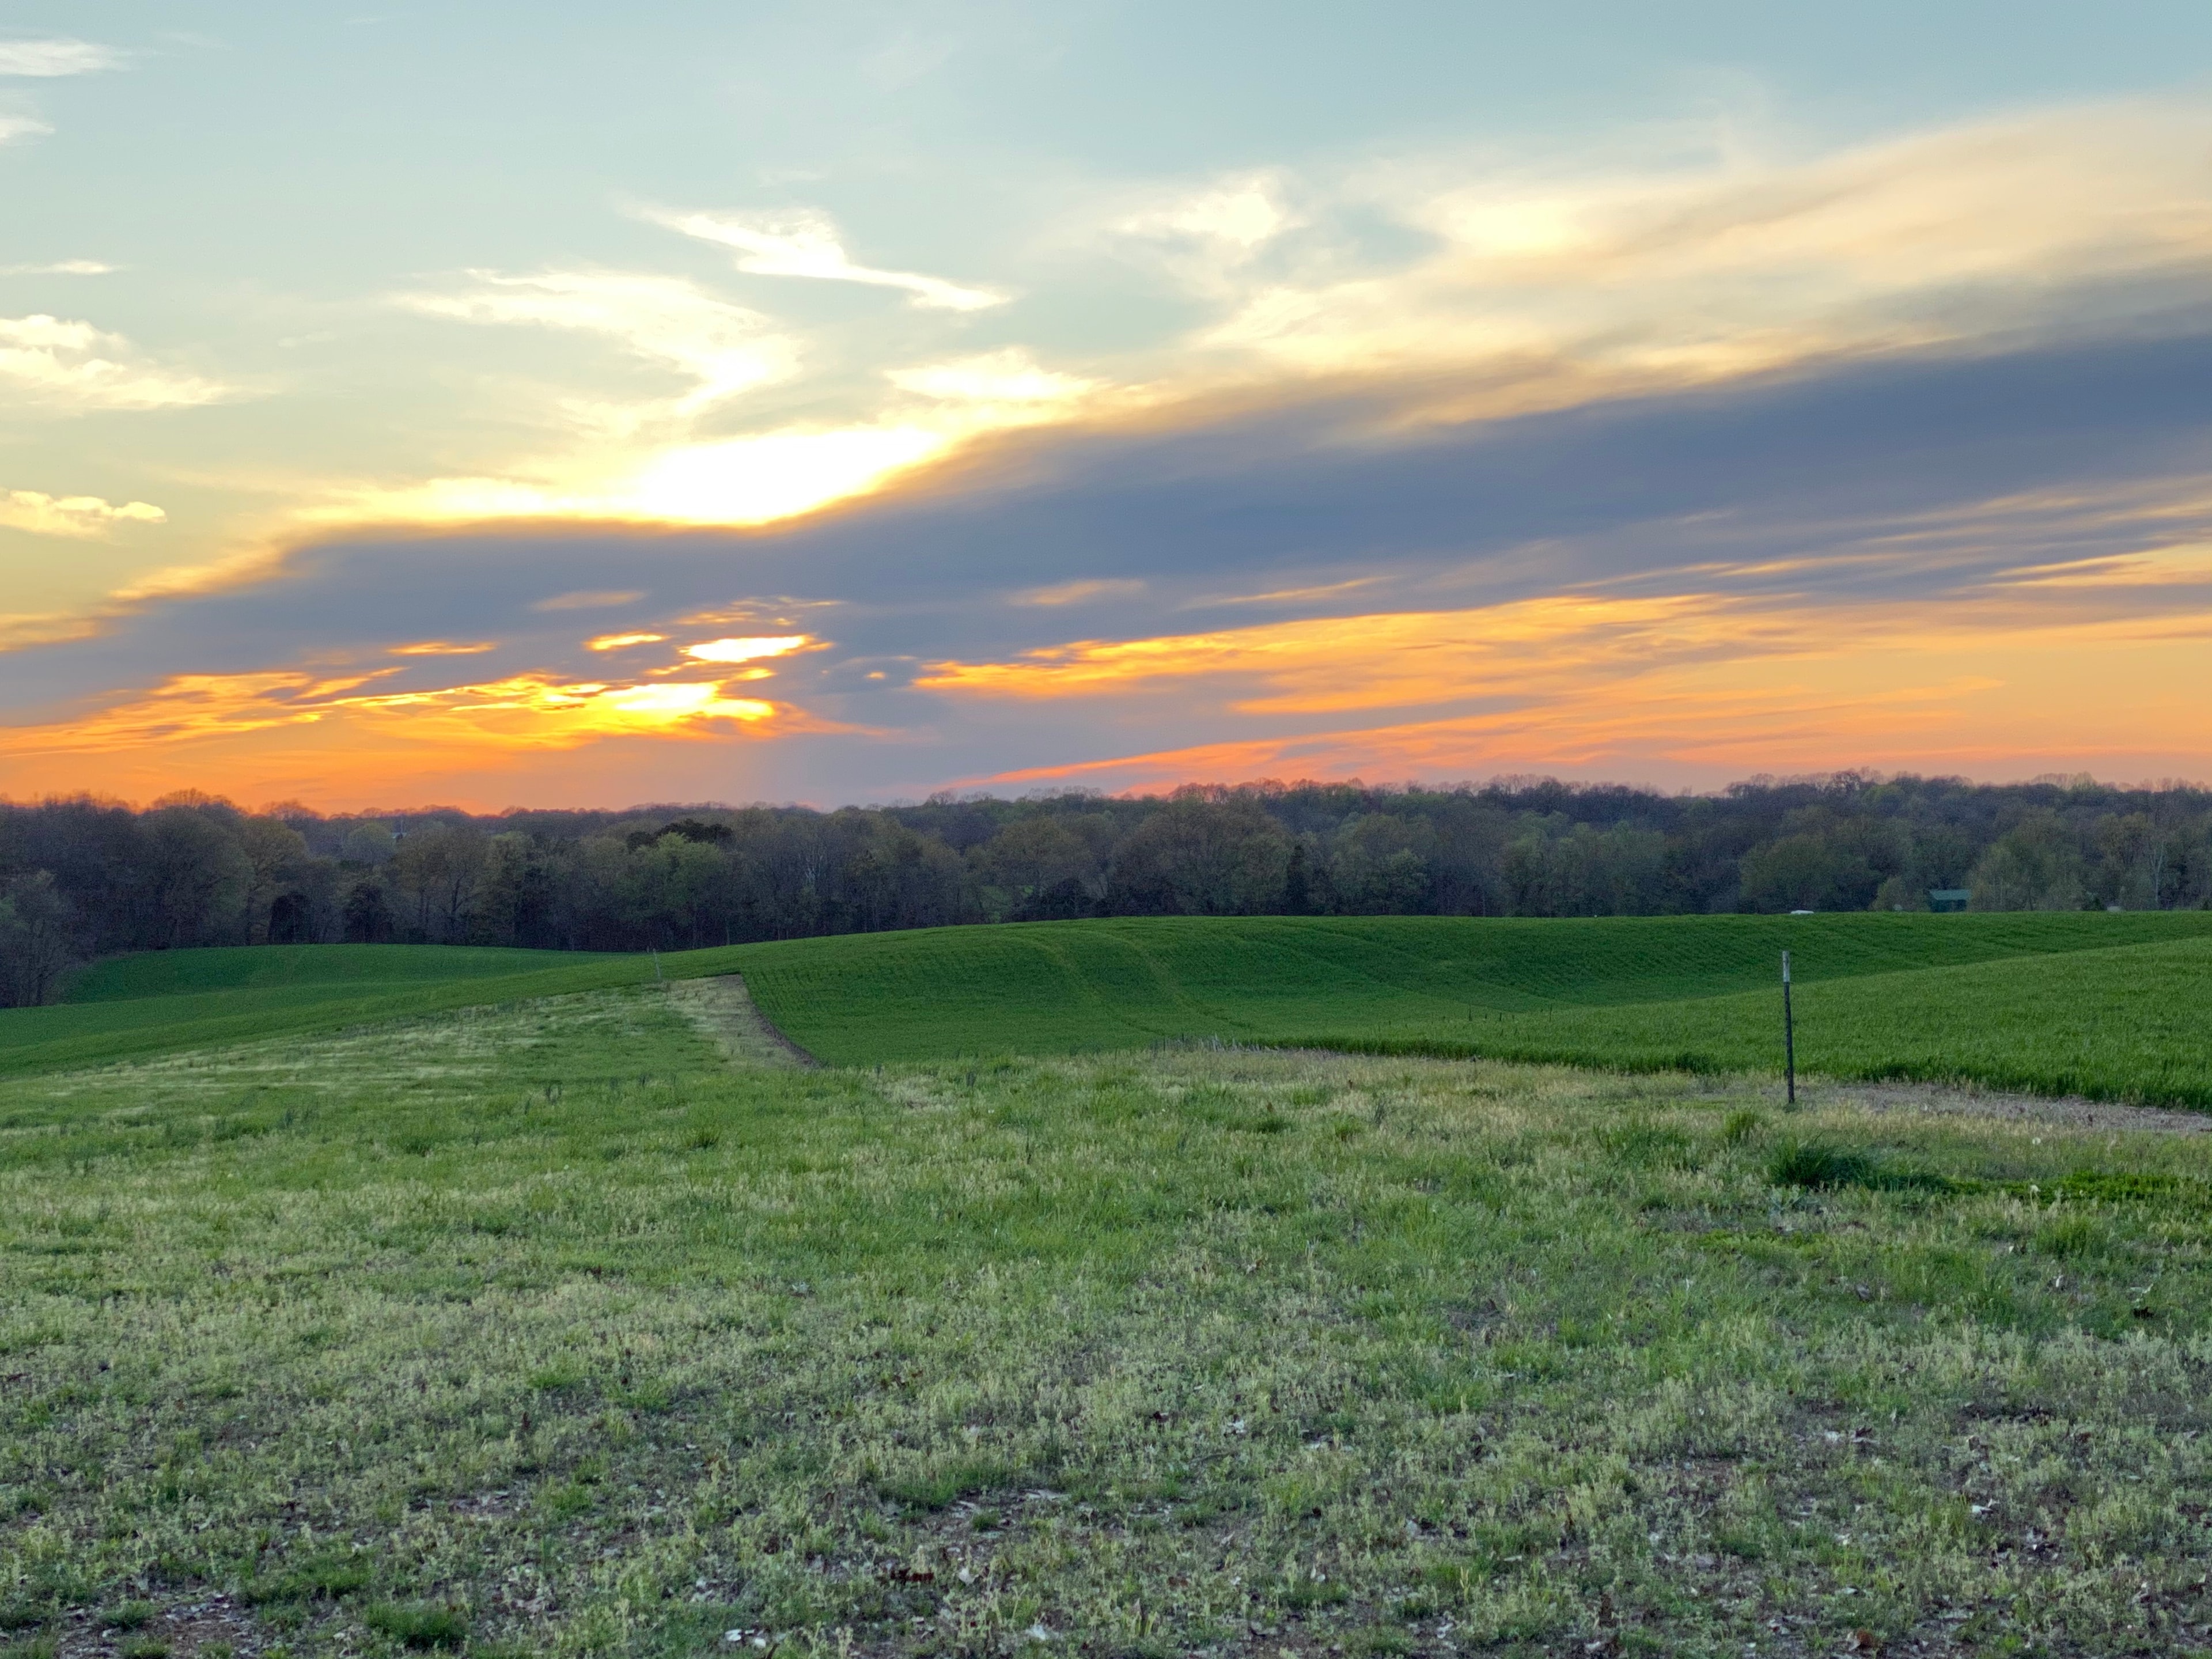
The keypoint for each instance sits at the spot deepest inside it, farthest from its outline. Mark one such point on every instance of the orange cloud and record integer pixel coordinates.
(1338, 664)
(621, 641)
(2009, 684)
(444, 648)
(523, 711)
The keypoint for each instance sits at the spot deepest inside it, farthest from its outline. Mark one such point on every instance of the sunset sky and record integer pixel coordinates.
(491, 405)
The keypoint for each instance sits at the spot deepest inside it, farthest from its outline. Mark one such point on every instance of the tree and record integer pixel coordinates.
(2034, 866)
(366, 912)
(1030, 858)
(1807, 872)
(1378, 866)
(1201, 858)
(437, 869)
(38, 940)
(1297, 883)
(368, 842)
(514, 899)
(276, 860)
(1584, 872)
(196, 878)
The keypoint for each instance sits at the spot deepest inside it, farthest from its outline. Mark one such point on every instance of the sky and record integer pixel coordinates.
(502, 406)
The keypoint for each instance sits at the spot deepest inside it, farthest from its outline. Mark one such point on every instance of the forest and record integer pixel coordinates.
(81, 878)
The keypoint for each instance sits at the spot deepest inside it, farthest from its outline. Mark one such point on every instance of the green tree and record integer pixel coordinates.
(2036, 865)
(1031, 857)
(1201, 858)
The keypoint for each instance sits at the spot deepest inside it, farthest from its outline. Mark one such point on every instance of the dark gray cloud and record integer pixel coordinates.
(1870, 479)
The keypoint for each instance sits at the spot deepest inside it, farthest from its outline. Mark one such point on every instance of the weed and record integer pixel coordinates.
(1744, 1124)
(1817, 1164)
(1640, 1143)
(329, 1575)
(419, 1624)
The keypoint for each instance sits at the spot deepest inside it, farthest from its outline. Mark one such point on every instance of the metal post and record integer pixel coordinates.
(1788, 1035)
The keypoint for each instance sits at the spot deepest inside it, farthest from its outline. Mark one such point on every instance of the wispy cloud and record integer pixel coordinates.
(1207, 236)
(59, 268)
(14, 129)
(808, 245)
(1080, 591)
(73, 365)
(1011, 375)
(724, 350)
(49, 59)
(591, 600)
(1702, 269)
(71, 515)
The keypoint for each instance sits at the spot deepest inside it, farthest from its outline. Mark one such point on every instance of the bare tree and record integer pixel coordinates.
(38, 940)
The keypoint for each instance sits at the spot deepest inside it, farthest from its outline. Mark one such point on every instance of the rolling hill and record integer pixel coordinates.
(2095, 1004)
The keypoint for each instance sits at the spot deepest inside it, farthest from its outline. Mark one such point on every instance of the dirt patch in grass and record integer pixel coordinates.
(2070, 1112)
(211, 1627)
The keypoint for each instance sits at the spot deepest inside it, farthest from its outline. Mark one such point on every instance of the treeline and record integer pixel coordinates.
(81, 878)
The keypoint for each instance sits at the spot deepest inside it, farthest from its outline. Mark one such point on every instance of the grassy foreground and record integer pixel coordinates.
(543, 1329)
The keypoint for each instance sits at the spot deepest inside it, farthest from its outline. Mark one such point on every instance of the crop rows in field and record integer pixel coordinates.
(2109, 1005)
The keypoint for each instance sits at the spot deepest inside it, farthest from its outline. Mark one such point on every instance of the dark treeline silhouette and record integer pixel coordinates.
(81, 878)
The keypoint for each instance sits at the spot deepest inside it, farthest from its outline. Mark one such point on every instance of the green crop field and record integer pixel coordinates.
(162, 1002)
(2112, 1006)
(548, 1327)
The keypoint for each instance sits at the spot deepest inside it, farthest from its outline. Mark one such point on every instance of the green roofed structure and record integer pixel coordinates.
(1945, 899)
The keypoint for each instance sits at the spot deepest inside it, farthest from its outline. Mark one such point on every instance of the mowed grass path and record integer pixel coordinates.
(2116, 1006)
(539, 1328)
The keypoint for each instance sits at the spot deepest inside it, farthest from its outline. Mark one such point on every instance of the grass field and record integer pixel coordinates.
(161, 1002)
(543, 1329)
(2114, 1006)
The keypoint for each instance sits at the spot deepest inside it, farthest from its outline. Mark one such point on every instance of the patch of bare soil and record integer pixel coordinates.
(210, 1626)
(724, 1014)
(1938, 1100)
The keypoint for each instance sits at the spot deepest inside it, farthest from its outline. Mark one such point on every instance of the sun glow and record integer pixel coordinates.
(750, 649)
(525, 710)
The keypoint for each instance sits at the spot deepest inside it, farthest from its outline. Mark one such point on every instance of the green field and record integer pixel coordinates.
(165, 1002)
(2112, 1006)
(373, 1299)
(543, 1328)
